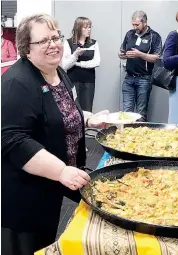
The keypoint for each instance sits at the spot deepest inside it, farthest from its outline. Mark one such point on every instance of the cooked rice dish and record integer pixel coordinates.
(125, 116)
(145, 141)
(149, 196)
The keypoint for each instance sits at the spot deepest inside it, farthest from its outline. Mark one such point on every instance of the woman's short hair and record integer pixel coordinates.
(23, 33)
(79, 23)
(177, 16)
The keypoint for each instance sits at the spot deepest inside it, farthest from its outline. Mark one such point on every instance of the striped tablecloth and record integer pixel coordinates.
(89, 234)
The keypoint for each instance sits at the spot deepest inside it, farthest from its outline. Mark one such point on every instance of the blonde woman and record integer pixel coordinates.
(80, 58)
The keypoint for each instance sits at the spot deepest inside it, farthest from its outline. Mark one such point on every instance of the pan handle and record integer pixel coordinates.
(86, 168)
(93, 129)
(88, 134)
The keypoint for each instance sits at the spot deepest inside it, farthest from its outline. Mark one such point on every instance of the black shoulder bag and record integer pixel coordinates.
(162, 77)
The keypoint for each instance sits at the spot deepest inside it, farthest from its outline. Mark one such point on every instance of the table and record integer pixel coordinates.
(88, 234)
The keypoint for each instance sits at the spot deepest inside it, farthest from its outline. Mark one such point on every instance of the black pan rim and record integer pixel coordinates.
(136, 156)
(150, 226)
(124, 154)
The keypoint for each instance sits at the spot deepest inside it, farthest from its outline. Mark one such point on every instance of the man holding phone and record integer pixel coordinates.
(141, 47)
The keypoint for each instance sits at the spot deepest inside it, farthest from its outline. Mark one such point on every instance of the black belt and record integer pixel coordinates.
(138, 75)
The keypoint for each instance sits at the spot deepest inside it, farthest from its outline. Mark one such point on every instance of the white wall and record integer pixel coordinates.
(29, 7)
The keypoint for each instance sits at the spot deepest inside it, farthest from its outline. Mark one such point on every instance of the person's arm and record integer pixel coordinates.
(122, 53)
(149, 57)
(20, 111)
(40, 164)
(170, 57)
(86, 115)
(69, 59)
(12, 52)
(95, 62)
(12, 55)
(47, 165)
(97, 120)
(134, 53)
(156, 47)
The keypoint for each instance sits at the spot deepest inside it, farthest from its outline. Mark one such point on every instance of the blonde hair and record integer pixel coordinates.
(23, 33)
(79, 23)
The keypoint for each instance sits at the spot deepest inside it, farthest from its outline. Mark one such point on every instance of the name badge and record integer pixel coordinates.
(144, 41)
(74, 92)
(45, 88)
(138, 41)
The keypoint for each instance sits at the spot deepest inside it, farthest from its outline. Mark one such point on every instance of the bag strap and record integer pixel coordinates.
(162, 51)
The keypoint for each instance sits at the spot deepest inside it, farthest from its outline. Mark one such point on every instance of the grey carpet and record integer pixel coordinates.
(94, 155)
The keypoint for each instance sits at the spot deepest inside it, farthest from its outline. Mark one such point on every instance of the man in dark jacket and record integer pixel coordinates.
(141, 47)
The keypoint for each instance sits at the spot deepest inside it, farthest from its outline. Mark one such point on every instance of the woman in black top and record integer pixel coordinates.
(43, 141)
(81, 56)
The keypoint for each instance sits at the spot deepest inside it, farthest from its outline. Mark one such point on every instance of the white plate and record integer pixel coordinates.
(122, 117)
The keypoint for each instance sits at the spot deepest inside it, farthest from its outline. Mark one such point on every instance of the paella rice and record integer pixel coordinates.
(149, 196)
(125, 116)
(145, 141)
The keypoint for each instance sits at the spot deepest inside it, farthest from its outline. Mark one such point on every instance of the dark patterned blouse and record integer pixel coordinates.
(72, 120)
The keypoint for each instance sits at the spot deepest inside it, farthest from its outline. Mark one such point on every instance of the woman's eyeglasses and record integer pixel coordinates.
(46, 42)
(87, 27)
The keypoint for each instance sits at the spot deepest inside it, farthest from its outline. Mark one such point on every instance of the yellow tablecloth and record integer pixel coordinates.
(88, 234)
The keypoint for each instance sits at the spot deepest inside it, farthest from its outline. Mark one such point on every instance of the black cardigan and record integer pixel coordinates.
(31, 120)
